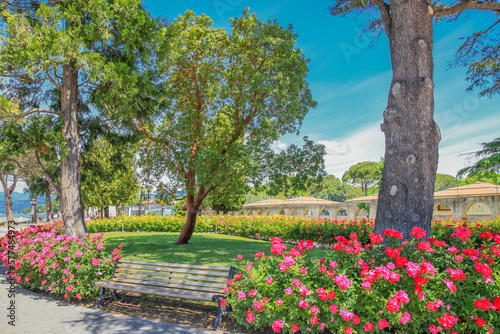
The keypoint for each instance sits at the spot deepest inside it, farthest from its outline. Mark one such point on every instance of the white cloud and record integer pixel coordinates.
(366, 144)
(278, 146)
(465, 138)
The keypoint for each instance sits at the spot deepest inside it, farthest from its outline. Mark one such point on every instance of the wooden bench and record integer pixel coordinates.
(168, 279)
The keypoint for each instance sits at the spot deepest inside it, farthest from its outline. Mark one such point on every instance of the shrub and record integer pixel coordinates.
(41, 257)
(150, 224)
(410, 287)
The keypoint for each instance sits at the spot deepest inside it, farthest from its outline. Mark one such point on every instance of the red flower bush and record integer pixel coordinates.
(42, 257)
(434, 291)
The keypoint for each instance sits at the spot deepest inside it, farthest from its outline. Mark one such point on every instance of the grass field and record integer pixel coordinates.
(203, 249)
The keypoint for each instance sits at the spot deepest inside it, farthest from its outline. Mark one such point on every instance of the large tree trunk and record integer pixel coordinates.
(48, 204)
(8, 194)
(192, 206)
(406, 196)
(72, 205)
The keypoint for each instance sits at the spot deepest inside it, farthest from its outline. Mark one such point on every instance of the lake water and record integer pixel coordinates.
(22, 215)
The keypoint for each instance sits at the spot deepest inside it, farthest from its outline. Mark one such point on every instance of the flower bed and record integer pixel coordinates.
(291, 229)
(42, 258)
(419, 286)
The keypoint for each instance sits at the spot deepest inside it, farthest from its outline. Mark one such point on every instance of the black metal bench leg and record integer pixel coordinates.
(221, 310)
(116, 297)
(100, 300)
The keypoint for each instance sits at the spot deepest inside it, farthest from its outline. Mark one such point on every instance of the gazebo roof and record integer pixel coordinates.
(373, 197)
(474, 189)
(266, 202)
(306, 200)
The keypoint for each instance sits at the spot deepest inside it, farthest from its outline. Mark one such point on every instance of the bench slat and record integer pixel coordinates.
(169, 286)
(156, 279)
(174, 270)
(157, 291)
(176, 265)
(157, 274)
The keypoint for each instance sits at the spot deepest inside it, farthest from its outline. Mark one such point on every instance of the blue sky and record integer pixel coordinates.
(350, 79)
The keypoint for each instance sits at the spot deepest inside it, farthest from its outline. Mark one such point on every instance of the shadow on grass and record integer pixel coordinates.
(202, 249)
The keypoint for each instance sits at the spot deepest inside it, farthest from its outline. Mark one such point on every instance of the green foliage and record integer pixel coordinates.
(444, 181)
(230, 196)
(108, 174)
(363, 174)
(292, 172)
(229, 96)
(178, 208)
(95, 34)
(333, 189)
(39, 208)
(489, 165)
(291, 229)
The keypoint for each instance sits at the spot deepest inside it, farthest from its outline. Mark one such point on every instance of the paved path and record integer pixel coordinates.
(38, 314)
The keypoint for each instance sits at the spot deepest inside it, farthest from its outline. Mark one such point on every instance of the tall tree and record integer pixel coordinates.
(411, 134)
(108, 174)
(363, 175)
(88, 52)
(231, 95)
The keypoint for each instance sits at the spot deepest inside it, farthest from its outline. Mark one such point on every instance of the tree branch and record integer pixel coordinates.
(385, 14)
(49, 180)
(466, 4)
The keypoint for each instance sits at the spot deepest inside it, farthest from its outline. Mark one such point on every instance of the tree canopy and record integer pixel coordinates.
(363, 174)
(229, 96)
(87, 51)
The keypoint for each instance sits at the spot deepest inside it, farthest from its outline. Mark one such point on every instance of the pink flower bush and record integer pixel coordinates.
(47, 259)
(412, 285)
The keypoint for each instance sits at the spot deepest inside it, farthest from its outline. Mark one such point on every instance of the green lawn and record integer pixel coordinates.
(203, 249)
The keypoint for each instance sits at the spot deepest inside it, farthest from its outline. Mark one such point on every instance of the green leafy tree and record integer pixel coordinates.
(444, 181)
(489, 162)
(88, 52)
(292, 172)
(108, 174)
(229, 196)
(363, 175)
(230, 96)
(333, 189)
(411, 134)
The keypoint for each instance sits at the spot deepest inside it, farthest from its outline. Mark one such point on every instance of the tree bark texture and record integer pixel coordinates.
(8, 194)
(72, 205)
(192, 205)
(48, 205)
(406, 196)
